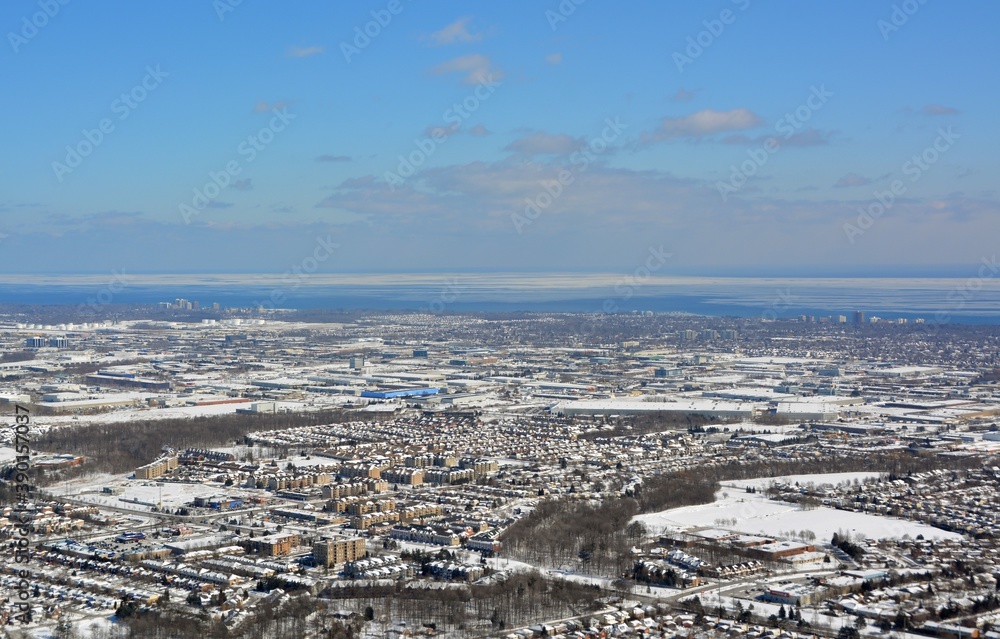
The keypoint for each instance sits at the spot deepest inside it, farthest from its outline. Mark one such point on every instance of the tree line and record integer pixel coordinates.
(122, 446)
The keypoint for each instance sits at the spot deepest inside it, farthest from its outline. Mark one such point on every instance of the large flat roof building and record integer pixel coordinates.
(331, 552)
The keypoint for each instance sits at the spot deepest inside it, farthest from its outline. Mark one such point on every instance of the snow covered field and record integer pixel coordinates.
(7, 454)
(144, 413)
(756, 514)
(174, 495)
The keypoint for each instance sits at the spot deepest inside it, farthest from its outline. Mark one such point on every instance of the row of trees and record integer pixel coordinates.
(507, 601)
(652, 423)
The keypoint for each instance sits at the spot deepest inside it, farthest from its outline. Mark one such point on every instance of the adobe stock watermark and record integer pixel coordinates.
(297, 275)
(364, 34)
(786, 126)
(914, 168)
(594, 325)
(122, 107)
(781, 303)
(248, 149)
(32, 26)
(960, 296)
(450, 292)
(562, 13)
(224, 7)
(900, 15)
(94, 304)
(626, 287)
(453, 118)
(701, 41)
(22, 483)
(579, 161)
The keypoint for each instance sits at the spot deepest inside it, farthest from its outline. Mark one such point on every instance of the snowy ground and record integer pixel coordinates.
(144, 413)
(756, 514)
(174, 495)
(303, 462)
(712, 599)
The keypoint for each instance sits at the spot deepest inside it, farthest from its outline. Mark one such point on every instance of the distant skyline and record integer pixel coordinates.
(727, 138)
(938, 300)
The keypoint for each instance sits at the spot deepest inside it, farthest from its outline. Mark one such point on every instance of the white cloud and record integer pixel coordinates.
(304, 52)
(476, 68)
(704, 123)
(457, 31)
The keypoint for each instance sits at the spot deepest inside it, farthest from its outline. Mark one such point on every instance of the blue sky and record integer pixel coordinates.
(740, 136)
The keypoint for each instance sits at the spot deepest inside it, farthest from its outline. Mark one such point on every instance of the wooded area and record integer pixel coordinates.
(120, 447)
(595, 538)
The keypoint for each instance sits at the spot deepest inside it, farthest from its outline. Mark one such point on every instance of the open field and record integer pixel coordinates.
(754, 513)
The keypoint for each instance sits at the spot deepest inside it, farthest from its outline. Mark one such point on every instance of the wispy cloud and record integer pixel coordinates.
(363, 182)
(931, 110)
(456, 32)
(437, 131)
(704, 123)
(616, 208)
(476, 68)
(939, 109)
(554, 58)
(110, 218)
(264, 106)
(304, 52)
(805, 137)
(683, 95)
(542, 143)
(851, 180)
(243, 185)
(485, 194)
(326, 157)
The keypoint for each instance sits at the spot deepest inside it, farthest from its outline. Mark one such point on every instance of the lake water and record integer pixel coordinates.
(969, 300)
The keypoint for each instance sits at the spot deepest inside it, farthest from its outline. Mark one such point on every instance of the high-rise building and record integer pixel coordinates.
(330, 552)
(858, 317)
